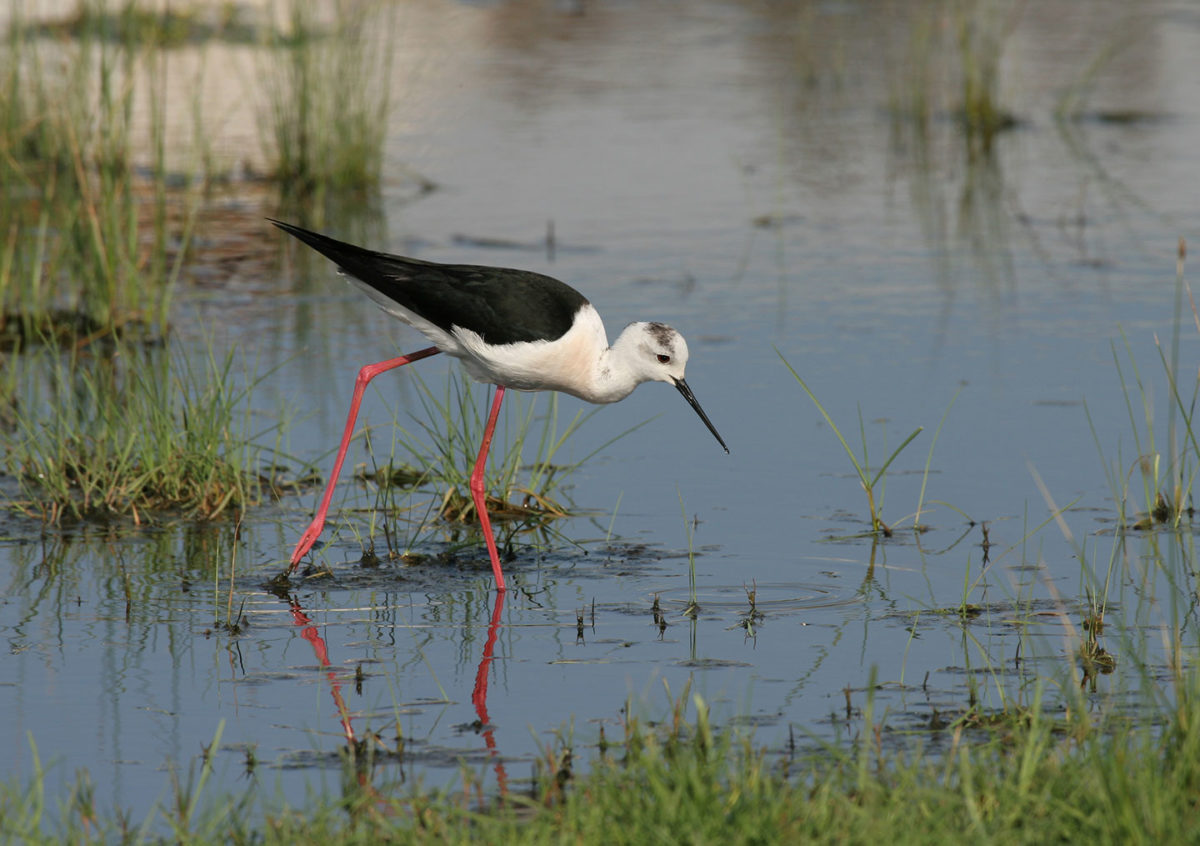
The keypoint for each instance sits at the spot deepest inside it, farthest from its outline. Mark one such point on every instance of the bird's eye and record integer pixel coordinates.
(664, 359)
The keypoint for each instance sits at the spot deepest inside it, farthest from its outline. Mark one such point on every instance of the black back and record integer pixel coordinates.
(501, 305)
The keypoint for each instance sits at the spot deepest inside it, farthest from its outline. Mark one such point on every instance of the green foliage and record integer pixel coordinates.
(1024, 780)
(328, 94)
(525, 472)
(1166, 462)
(94, 226)
(862, 468)
(138, 432)
(90, 243)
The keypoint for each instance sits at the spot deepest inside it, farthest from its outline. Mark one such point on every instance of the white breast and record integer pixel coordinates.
(570, 364)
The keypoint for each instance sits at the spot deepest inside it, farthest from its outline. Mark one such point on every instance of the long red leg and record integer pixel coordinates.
(360, 385)
(478, 491)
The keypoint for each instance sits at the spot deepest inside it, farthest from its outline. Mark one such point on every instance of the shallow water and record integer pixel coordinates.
(737, 170)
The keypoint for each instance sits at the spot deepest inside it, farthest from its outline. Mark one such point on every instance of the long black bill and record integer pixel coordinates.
(682, 385)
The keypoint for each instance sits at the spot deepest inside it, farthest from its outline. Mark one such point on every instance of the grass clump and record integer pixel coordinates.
(97, 215)
(133, 23)
(137, 433)
(952, 69)
(90, 243)
(328, 95)
(983, 29)
(1167, 462)
(525, 474)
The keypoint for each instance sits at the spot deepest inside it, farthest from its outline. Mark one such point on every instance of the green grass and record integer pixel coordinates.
(1166, 462)
(1016, 778)
(952, 66)
(983, 29)
(134, 23)
(92, 241)
(525, 475)
(96, 226)
(137, 432)
(689, 527)
(328, 95)
(97, 216)
(871, 483)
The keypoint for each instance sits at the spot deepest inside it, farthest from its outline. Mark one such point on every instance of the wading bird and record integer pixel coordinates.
(512, 328)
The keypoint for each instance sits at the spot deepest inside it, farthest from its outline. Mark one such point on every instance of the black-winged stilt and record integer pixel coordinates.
(512, 328)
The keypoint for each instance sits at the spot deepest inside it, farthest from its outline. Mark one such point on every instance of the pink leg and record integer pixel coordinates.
(478, 491)
(360, 385)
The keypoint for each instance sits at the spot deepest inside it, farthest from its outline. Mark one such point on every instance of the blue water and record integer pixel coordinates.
(734, 171)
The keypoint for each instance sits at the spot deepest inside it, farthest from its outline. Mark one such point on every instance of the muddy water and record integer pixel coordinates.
(751, 174)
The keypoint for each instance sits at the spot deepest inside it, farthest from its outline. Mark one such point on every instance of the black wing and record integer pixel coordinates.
(503, 306)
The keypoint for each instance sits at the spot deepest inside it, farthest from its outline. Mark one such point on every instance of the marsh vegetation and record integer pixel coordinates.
(900, 254)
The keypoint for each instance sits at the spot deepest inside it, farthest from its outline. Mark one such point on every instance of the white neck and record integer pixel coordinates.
(617, 371)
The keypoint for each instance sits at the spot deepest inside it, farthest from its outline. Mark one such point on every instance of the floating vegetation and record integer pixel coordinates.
(393, 476)
(65, 327)
(457, 508)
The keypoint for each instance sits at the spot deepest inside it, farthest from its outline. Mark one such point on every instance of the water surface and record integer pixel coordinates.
(752, 175)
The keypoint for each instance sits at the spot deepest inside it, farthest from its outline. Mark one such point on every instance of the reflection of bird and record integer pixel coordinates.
(512, 328)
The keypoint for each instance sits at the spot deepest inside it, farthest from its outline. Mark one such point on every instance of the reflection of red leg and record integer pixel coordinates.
(309, 632)
(479, 694)
(478, 491)
(360, 385)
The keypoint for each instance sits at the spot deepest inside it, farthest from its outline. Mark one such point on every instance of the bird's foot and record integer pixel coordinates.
(306, 541)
